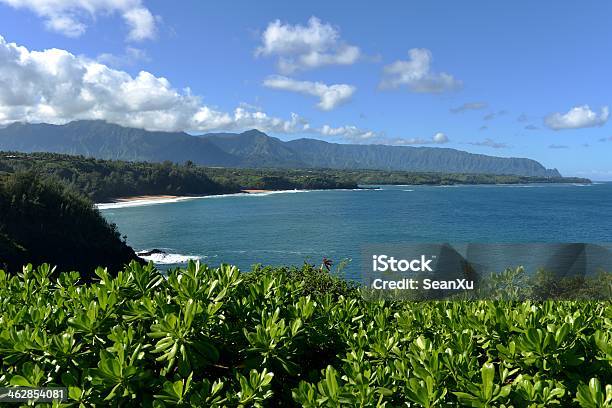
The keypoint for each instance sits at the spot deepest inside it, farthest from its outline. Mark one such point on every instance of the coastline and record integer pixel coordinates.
(154, 197)
(146, 200)
(257, 191)
(142, 200)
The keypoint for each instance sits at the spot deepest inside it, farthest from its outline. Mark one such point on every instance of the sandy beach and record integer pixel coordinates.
(137, 201)
(142, 200)
(145, 198)
(254, 191)
(172, 197)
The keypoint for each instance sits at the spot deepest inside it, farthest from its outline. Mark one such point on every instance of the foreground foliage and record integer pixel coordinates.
(285, 337)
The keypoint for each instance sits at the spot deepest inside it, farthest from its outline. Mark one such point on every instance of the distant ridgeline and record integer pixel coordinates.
(103, 180)
(252, 149)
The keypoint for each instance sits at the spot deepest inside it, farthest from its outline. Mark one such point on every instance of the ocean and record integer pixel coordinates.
(293, 227)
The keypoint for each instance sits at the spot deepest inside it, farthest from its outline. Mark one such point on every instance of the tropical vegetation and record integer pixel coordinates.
(207, 337)
(43, 220)
(103, 180)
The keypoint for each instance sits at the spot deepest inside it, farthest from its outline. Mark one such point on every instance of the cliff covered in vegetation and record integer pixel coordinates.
(44, 221)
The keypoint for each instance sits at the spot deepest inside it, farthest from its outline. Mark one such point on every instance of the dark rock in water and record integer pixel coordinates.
(151, 252)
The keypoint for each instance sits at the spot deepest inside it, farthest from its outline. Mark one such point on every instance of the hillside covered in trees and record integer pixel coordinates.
(103, 180)
(42, 220)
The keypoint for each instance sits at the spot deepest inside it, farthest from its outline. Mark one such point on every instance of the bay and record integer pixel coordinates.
(289, 228)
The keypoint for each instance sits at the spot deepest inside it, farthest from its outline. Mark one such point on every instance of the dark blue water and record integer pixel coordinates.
(290, 228)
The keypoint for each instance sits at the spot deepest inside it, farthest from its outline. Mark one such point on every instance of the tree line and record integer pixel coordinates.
(103, 180)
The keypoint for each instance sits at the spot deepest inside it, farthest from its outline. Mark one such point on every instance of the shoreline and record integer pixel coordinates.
(257, 191)
(154, 197)
(143, 198)
(146, 200)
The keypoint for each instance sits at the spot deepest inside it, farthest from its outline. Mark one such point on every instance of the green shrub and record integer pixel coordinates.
(292, 336)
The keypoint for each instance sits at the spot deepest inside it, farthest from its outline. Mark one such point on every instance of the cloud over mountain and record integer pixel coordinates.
(438, 138)
(56, 86)
(350, 133)
(330, 96)
(577, 117)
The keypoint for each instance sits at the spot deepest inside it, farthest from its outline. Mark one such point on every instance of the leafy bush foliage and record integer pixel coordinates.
(208, 337)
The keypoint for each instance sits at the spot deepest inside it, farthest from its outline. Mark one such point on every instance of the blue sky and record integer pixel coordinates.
(524, 79)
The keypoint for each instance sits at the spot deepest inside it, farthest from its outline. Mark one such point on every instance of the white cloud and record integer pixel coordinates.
(576, 118)
(350, 133)
(301, 47)
(416, 74)
(438, 138)
(363, 136)
(330, 96)
(141, 23)
(56, 86)
(69, 17)
(354, 134)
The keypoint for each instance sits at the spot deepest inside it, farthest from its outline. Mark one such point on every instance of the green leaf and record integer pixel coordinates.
(488, 376)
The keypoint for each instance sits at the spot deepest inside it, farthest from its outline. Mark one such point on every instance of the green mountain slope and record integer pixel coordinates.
(317, 153)
(107, 141)
(256, 149)
(251, 149)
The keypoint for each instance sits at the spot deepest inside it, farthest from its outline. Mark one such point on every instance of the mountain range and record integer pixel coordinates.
(250, 149)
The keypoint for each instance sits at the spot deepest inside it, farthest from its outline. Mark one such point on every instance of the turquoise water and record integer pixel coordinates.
(293, 227)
